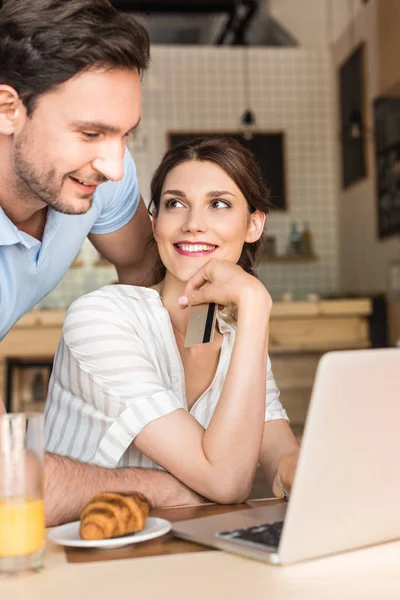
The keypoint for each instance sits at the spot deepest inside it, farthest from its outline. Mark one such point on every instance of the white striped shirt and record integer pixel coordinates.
(117, 368)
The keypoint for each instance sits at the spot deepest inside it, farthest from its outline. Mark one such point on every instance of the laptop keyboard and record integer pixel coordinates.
(264, 535)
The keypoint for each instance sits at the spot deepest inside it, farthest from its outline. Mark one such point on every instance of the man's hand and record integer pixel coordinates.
(69, 485)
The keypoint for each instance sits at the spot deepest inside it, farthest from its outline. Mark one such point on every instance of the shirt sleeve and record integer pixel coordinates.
(118, 200)
(111, 362)
(273, 407)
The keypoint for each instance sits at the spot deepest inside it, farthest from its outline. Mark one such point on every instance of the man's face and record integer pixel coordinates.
(75, 138)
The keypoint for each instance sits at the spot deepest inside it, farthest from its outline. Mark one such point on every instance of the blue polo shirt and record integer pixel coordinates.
(30, 269)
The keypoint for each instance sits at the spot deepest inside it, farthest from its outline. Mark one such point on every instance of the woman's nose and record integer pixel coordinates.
(195, 222)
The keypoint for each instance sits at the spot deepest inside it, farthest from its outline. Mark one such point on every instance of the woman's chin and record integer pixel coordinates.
(184, 276)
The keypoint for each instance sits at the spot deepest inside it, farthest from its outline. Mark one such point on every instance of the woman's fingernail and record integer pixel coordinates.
(183, 301)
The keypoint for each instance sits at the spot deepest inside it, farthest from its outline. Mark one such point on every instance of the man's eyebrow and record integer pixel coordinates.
(104, 127)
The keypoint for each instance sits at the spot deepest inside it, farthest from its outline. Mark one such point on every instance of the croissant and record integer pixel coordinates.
(111, 515)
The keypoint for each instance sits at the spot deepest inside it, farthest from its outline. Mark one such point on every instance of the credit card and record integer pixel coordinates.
(201, 324)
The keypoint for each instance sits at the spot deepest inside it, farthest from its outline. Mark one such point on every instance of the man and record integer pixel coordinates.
(68, 99)
(69, 95)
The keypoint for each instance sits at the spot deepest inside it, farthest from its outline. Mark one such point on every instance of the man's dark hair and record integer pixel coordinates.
(43, 43)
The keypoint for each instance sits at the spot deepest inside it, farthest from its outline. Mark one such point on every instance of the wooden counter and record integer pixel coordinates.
(319, 326)
(300, 332)
(34, 338)
(394, 321)
(36, 335)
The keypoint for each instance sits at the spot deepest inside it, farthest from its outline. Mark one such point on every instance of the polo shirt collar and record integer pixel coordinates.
(8, 231)
(11, 235)
(53, 223)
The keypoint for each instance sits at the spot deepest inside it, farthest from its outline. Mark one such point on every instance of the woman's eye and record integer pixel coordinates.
(172, 203)
(220, 204)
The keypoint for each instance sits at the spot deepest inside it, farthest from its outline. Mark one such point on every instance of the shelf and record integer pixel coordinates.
(344, 307)
(320, 348)
(290, 258)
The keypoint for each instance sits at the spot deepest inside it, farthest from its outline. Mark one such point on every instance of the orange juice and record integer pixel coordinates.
(22, 526)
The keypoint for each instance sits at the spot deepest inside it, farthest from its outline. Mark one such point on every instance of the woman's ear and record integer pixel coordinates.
(154, 222)
(256, 226)
(11, 110)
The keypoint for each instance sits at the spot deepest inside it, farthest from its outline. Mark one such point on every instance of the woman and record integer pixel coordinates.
(126, 392)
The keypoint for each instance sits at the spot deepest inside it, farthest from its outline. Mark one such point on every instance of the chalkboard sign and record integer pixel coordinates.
(268, 149)
(351, 86)
(387, 153)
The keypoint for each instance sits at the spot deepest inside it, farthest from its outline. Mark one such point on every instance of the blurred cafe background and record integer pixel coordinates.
(313, 88)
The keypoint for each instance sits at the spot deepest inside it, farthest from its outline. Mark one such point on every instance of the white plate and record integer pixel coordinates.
(68, 535)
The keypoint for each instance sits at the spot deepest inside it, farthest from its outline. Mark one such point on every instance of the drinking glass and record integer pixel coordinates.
(22, 522)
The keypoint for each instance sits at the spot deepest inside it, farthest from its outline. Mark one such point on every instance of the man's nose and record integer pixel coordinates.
(111, 161)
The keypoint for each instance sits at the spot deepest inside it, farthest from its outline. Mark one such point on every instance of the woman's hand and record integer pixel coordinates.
(286, 471)
(225, 284)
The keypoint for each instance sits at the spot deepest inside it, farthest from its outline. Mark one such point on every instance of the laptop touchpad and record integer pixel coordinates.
(203, 529)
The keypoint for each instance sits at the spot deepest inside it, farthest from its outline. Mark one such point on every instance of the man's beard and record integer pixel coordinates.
(44, 186)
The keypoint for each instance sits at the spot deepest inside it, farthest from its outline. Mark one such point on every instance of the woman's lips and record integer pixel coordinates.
(195, 249)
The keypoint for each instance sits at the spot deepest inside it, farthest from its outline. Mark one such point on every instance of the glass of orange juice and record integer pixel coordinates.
(22, 522)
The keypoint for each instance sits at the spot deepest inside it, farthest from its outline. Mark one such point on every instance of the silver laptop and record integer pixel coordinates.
(346, 492)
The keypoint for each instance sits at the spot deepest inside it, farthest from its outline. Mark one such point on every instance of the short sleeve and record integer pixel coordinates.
(111, 362)
(118, 200)
(273, 407)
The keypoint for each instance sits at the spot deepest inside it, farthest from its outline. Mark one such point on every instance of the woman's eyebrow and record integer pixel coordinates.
(212, 194)
(217, 193)
(175, 193)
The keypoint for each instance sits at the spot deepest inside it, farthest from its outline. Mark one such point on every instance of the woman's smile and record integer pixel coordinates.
(194, 249)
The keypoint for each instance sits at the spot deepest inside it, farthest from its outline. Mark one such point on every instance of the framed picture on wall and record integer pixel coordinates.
(268, 149)
(352, 118)
(387, 157)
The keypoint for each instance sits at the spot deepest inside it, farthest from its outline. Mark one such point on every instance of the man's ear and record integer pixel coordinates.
(154, 222)
(256, 226)
(11, 110)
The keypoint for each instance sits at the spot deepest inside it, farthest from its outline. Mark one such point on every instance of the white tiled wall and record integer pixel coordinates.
(201, 88)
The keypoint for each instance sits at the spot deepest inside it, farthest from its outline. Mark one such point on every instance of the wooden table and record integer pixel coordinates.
(201, 574)
(167, 544)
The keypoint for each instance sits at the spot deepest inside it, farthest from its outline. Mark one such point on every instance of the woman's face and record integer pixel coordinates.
(202, 214)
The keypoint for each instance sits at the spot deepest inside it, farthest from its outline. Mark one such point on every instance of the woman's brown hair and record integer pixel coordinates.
(237, 162)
